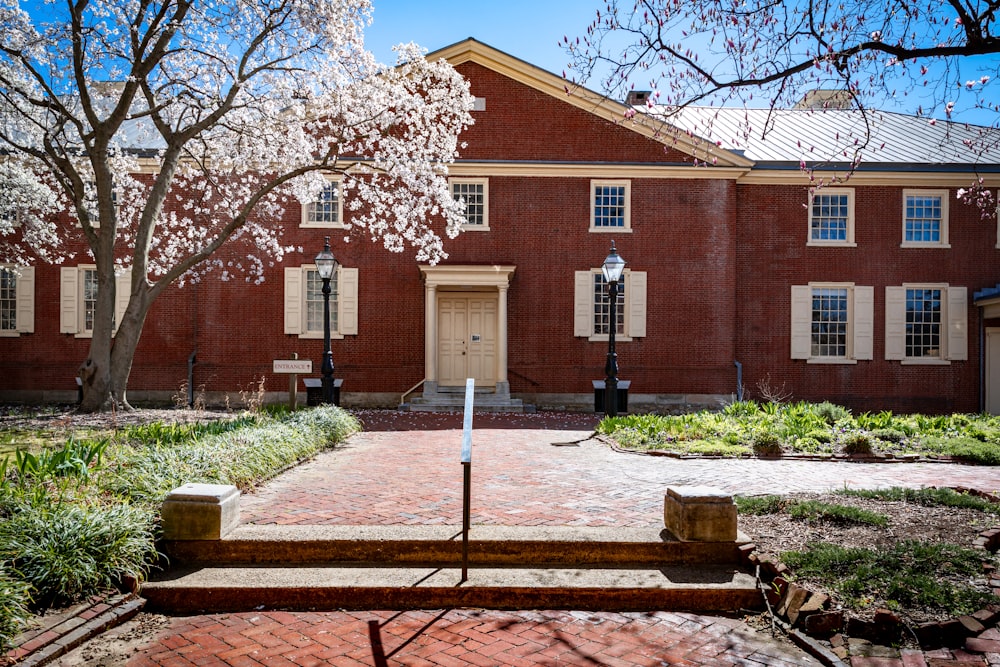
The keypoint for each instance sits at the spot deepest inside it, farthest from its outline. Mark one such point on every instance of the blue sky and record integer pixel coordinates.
(529, 30)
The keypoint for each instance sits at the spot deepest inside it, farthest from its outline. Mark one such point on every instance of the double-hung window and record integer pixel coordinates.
(17, 300)
(832, 322)
(328, 209)
(474, 194)
(925, 218)
(78, 299)
(831, 217)
(304, 302)
(592, 306)
(610, 206)
(926, 323)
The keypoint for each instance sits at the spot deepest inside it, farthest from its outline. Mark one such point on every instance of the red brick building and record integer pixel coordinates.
(873, 294)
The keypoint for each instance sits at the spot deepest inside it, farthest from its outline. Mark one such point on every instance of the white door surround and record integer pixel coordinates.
(465, 279)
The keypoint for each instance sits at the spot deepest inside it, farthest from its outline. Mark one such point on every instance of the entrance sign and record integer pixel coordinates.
(293, 366)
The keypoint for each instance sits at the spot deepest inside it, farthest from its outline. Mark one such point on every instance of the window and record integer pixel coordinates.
(90, 202)
(327, 210)
(304, 302)
(592, 309)
(475, 193)
(610, 206)
(831, 217)
(78, 299)
(832, 322)
(925, 218)
(17, 300)
(926, 324)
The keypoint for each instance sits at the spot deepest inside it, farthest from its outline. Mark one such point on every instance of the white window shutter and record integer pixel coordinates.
(895, 323)
(123, 293)
(293, 299)
(801, 331)
(26, 300)
(635, 295)
(583, 304)
(864, 322)
(69, 286)
(958, 329)
(347, 295)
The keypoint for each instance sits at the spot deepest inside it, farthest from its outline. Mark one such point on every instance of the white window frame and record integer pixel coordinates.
(307, 221)
(627, 217)
(71, 310)
(848, 240)
(953, 333)
(485, 182)
(24, 300)
(860, 323)
(295, 302)
(942, 241)
(584, 311)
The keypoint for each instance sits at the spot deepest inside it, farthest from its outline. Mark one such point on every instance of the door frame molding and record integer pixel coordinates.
(988, 387)
(464, 278)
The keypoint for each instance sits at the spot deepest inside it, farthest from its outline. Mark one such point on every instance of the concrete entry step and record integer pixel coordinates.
(702, 589)
(441, 546)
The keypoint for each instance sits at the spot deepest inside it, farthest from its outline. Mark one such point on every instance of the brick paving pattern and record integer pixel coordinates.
(465, 637)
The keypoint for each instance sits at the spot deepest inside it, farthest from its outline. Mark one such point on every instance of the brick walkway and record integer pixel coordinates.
(532, 470)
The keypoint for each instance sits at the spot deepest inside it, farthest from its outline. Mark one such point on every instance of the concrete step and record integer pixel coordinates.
(701, 589)
(441, 546)
(444, 404)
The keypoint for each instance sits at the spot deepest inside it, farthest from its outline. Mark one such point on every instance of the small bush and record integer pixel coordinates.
(889, 435)
(14, 614)
(857, 443)
(830, 412)
(765, 443)
(821, 435)
(810, 446)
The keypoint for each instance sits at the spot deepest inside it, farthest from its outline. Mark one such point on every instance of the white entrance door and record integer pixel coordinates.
(993, 371)
(467, 339)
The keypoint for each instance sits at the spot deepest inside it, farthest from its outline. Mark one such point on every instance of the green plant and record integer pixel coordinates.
(765, 443)
(14, 601)
(857, 443)
(769, 504)
(889, 435)
(66, 552)
(925, 496)
(909, 574)
(811, 510)
(830, 412)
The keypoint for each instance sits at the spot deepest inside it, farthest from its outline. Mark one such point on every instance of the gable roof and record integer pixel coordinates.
(471, 50)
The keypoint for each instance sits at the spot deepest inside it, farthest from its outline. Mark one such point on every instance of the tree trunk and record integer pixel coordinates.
(95, 371)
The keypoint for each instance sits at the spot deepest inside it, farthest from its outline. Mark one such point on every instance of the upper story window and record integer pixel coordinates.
(474, 192)
(610, 206)
(592, 306)
(832, 322)
(327, 210)
(304, 302)
(831, 217)
(926, 324)
(925, 218)
(17, 300)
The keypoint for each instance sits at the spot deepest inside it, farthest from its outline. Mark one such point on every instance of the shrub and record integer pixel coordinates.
(830, 412)
(821, 435)
(66, 552)
(810, 446)
(889, 435)
(765, 443)
(857, 443)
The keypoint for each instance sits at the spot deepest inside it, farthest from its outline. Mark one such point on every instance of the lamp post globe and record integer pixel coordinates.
(326, 266)
(613, 268)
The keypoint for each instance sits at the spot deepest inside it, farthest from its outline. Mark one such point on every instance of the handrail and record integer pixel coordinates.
(402, 399)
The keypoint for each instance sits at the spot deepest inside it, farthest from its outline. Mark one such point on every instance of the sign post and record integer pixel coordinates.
(470, 392)
(292, 367)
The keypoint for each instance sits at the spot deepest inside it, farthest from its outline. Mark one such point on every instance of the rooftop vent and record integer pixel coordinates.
(637, 97)
(826, 99)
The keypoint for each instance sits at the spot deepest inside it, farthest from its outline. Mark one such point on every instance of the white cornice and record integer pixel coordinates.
(553, 170)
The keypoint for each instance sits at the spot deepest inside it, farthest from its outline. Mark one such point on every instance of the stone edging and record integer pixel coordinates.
(63, 631)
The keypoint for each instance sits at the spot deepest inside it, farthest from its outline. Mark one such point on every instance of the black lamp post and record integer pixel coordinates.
(326, 265)
(612, 269)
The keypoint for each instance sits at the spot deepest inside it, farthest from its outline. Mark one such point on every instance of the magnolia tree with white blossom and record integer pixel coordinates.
(163, 130)
(928, 57)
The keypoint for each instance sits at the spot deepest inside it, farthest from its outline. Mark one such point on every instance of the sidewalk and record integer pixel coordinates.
(542, 469)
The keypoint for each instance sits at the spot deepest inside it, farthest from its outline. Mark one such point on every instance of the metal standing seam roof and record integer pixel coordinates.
(829, 135)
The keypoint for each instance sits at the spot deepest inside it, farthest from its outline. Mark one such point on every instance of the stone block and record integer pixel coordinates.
(200, 512)
(699, 514)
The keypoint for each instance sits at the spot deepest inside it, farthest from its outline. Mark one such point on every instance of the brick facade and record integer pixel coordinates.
(720, 257)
